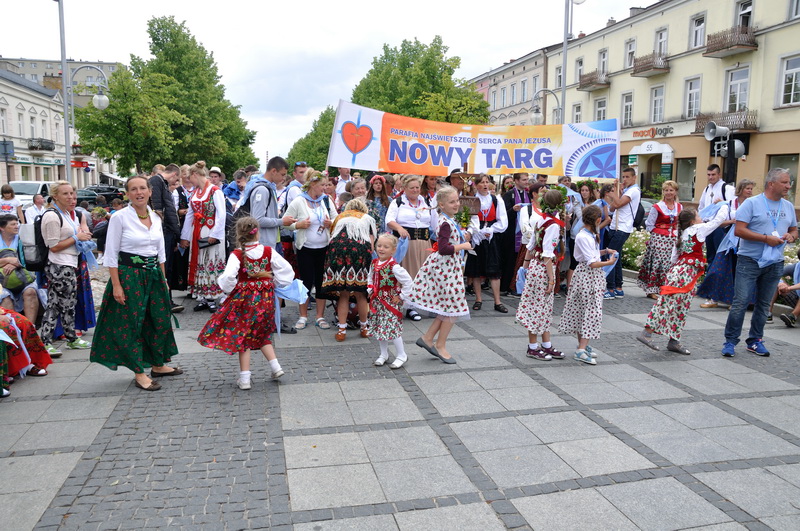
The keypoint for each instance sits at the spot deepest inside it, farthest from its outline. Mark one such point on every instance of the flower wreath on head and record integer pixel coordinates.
(559, 208)
(593, 185)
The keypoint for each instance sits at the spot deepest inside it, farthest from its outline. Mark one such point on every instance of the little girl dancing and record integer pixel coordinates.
(389, 286)
(246, 320)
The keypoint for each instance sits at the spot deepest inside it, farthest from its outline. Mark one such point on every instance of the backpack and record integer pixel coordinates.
(231, 217)
(36, 255)
(638, 218)
(399, 200)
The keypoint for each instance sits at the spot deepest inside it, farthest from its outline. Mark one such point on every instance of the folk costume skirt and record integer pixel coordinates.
(139, 334)
(583, 311)
(656, 263)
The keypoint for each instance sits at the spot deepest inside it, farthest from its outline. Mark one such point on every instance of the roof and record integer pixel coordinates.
(32, 85)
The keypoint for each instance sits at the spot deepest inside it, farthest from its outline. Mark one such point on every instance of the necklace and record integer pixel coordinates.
(147, 215)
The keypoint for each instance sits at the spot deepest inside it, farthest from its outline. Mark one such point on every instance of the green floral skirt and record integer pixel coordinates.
(139, 334)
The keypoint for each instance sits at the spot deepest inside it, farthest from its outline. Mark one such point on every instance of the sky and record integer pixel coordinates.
(283, 62)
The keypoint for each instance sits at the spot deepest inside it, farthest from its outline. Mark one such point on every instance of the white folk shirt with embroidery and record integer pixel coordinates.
(502, 217)
(282, 272)
(406, 214)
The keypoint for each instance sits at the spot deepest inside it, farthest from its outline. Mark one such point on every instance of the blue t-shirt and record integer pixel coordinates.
(759, 213)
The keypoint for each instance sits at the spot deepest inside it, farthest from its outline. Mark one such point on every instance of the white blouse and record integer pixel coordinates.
(587, 250)
(549, 240)
(406, 214)
(282, 272)
(527, 224)
(127, 234)
(218, 230)
(502, 217)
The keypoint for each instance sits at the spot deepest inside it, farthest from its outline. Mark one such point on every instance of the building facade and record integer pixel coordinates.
(31, 117)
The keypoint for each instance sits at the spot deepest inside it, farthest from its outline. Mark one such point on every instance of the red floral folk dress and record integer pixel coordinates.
(657, 259)
(388, 280)
(246, 320)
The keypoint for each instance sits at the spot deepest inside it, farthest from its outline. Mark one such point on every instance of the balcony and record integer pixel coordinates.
(737, 39)
(650, 65)
(78, 153)
(40, 146)
(592, 81)
(735, 121)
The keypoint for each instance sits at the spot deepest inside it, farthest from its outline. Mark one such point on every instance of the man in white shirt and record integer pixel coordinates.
(37, 209)
(716, 191)
(624, 202)
(344, 178)
(295, 187)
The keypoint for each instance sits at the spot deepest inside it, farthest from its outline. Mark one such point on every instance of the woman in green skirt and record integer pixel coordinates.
(133, 328)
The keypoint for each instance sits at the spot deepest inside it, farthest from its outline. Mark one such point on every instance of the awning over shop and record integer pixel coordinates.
(113, 180)
(651, 147)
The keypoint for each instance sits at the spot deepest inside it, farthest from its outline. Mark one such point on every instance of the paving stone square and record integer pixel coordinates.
(566, 426)
(494, 434)
(758, 492)
(424, 477)
(402, 444)
(524, 465)
(574, 509)
(699, 415)
(333, 486)
(324, 450)
(600, 456)
(470, 517)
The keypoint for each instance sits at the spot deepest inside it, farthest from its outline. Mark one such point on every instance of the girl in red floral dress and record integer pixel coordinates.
(668, 315)
(246, 320)
(439, 285)
(389, 286)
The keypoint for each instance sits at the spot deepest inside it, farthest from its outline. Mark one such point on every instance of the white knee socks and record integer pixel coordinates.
(399, 348)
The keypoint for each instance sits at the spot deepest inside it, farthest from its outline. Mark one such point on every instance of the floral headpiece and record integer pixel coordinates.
(559, 208)
(377, 177)
(593, 185)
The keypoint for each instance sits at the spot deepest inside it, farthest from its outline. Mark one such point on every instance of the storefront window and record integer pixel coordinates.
(685, 171)
(789, 162)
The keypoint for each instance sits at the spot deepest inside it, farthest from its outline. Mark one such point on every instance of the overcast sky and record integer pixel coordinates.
(283, 62)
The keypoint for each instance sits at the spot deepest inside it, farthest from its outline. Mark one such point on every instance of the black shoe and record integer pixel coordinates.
(202, 305)
(176, 308)
(470, 290)
(485, 286)
(212, 306)
(287, 329)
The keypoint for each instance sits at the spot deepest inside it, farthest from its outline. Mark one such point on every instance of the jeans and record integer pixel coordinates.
(617, 239)
(765, 280)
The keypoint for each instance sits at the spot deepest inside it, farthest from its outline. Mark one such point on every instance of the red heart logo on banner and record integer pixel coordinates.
(356, 138)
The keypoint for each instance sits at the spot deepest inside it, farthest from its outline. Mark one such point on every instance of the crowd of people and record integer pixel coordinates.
(382, 249)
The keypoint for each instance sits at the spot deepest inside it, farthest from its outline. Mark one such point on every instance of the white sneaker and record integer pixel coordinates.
(277, 374)
(243, 384)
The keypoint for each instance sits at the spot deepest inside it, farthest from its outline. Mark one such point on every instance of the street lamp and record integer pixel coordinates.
(567, 34)
(99, 100)
(538, 117)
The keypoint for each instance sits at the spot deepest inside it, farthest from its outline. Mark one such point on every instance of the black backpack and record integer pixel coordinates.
(638, 218)
(36, 257)
(243, 211)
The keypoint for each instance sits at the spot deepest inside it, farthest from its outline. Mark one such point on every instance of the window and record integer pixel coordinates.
(744, 13)
(576, 113)
(685, 173)
(790, 163)
(503, 97)
(791, 81)
(657, 105)
(630, 53)
(2, 121)
(698, 32)
(558, 77)
(627, 109)
(33, 65)
(600, 109)
(89, 80)
(49, 66)
(34, 77)
(494, 100)
(738, 86)
(794, 9)
(20, 126)
(33, 127)
(535, 86)
(513, 93)
(661, 42)
(524, 88)
(602, 61)
(111, 68)
(578, 69)
(692, 106)
(21, 64)
(44, 129)
(45, 174)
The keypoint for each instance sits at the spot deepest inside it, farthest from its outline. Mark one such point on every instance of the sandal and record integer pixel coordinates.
(35, 370)
(301, 324)
(364, 331)
(341, 335)
(500, 308)
(322, 323)
(477, 306)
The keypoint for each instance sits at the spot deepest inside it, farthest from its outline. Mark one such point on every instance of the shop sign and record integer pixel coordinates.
(80, 164)
(666, 171)
(654, 132)
(22, 159)
(58, 162)
(632, 160)
(45, 161)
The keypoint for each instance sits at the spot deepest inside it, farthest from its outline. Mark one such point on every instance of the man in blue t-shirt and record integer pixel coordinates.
(765, 223)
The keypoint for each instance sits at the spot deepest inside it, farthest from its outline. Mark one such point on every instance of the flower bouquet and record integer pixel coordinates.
(463, 217)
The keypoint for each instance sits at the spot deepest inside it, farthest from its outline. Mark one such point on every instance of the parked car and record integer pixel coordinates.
(87, 195)
(107, 191)
(25, 190)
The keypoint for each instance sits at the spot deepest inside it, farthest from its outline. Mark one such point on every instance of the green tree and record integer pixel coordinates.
(417, 80)
(137, 127)
(313, 148)
(216, 132)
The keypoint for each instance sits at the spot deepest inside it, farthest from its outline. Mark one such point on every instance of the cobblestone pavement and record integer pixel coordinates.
(647, 440)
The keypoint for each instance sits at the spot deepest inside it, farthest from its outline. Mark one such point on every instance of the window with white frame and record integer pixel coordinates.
(535, 86)
(794, 9)
(494, 100)
(503, 97)
(600, 109)
(791, 81)
(20, 125)
(692, 102)
(602, 60)
(578, 69)
(33, 127)
(576, 113)
(2, 121)
(89, 80)
(697, 31)
(630, 52)
(523, 90)
(738, 88)
(744, 13)
(513, 94)
(21, 64)
(34, 77)
(627, 109)
(44, 129)
(34, 65)
(657, 104)
(559, 79)
(49, 66)
(661, 42)
(111, 68)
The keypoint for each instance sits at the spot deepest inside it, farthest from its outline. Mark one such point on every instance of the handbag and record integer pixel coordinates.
(202, 243)
(18, 279)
